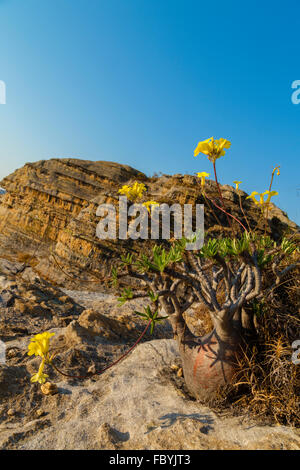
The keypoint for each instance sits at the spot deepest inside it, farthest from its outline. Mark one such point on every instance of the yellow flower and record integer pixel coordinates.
(204, 147)
(262, 195)
(203, 175)
(133, 192)
(40, 376)
(39, 345)
(237, 183)
(150, 204)
(212, 148)
(124, 190)
(261, 201)
(252, 196)
(278, 171)
(270, 194)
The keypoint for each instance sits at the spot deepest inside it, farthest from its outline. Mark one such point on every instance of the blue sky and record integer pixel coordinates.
(140, 82)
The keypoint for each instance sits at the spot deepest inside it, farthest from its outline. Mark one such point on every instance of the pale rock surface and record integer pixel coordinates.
(139, 404)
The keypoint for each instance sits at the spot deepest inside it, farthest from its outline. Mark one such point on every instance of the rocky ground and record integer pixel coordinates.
(141, 403)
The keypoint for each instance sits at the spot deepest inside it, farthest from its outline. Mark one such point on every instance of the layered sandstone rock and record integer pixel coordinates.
(48, 215)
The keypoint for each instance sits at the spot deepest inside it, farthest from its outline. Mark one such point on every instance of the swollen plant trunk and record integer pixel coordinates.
(209, 362)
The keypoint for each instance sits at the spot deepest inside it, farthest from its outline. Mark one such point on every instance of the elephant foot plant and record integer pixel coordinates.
(226, 276)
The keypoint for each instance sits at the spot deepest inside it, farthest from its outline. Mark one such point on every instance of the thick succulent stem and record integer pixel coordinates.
(208, 361)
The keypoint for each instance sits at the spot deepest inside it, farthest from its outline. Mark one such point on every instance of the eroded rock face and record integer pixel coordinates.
(49, 213)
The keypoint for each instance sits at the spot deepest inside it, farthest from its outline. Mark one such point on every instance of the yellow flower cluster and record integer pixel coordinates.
(212, 148)
(134, 192)
(39, 346)
(261, 202)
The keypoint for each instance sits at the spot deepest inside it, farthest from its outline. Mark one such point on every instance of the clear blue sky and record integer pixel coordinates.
(140, 82)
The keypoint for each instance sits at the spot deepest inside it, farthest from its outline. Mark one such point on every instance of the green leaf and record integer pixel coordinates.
(126, 295)
(151, 316)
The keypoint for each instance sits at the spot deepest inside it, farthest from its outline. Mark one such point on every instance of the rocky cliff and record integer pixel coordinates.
(48, 214)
